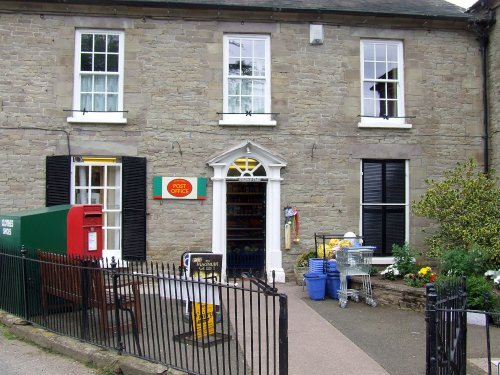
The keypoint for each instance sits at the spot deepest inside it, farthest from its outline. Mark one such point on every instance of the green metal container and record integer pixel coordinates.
(39, 229)
(42, 228)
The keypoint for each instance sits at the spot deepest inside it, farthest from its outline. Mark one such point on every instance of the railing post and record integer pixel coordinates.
(115, 277)
(487, 328)
(85, 288)
(25, 283)
(283, 335)
(431, 339)
(462, 293)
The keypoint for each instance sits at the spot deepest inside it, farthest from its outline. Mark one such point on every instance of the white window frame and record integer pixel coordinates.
(376, 122)
(243, 119)
(97, 117)
(107, 228)
(390, 259)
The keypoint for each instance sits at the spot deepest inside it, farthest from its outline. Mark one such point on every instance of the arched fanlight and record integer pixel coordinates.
(246, 167)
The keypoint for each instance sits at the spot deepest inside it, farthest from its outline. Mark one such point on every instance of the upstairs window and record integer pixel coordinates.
(382, 83)
(247, 80)
(98, 85)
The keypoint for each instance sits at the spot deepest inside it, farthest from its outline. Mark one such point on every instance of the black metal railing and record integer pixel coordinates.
(150, 310)
(446, 318)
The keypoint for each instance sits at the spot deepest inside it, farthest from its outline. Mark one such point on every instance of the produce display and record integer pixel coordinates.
(329, 249)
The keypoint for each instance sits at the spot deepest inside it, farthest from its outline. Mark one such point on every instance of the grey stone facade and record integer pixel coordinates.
(494, 87)
(173, 91)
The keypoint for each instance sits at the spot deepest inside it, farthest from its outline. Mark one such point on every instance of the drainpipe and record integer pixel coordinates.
(482, 28)
(483, 41)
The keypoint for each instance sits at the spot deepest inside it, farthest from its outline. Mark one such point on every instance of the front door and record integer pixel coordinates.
(246, 226)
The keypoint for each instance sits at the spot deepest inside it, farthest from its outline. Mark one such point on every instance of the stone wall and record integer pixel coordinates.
(393, 293)
(494, 89)
(173, 91)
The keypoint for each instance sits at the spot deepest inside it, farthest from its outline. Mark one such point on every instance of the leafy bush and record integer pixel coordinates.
(404, 259)
(303, 259)
(459, 262)
(465, 204)
(477, 288)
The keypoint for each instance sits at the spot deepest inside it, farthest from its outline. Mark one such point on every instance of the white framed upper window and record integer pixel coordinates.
(247, 80)
(98, 77)
(382, 84)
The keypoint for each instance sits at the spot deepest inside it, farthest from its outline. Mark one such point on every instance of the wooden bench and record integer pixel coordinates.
(82, 283)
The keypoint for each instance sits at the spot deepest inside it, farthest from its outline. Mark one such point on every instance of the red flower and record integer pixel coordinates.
(432, 277)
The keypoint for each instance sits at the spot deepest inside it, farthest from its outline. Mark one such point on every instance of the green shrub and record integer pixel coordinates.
(477, 288)
(465, 205)
(404, 259)
(303, 259)
(459, 262)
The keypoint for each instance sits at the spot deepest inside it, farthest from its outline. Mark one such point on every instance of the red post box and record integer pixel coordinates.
(85, 230)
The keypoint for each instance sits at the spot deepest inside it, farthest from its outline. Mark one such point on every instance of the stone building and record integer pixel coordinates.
(485, 14)
(197, 123)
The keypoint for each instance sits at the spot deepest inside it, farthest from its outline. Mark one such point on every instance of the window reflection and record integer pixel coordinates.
(380, 75)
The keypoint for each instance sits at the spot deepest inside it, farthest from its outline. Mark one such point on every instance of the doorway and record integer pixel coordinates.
(245, 226)
(249, 163)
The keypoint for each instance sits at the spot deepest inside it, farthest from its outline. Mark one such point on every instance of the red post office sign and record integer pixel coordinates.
(179, 188)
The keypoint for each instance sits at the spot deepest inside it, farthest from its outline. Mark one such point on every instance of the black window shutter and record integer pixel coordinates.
(383, 182)
(134, 208)
(57, 180)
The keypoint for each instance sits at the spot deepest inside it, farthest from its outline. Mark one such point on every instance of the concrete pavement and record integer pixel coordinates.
(20, 358)
(316, 346)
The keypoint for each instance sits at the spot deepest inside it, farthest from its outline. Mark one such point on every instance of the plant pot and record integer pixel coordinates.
(299, 274)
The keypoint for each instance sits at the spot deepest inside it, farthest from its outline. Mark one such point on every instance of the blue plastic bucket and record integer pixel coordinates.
(316, 265)
(333, 284)
(316, 285)
(331, 265)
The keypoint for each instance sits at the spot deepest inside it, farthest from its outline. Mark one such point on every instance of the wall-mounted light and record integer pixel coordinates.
(316, 34)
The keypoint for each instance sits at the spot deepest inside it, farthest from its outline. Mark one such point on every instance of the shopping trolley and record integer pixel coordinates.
(355, 261)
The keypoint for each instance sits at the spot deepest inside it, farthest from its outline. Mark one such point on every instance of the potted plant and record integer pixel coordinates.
(301, 266)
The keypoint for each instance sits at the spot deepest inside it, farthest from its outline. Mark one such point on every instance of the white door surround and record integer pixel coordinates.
(272, 164)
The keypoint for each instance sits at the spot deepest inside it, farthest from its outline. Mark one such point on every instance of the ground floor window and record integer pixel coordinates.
(384, 204)
(118, 183)
(98, 181)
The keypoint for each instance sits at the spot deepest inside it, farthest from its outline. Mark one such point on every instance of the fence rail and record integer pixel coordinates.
(150, 310)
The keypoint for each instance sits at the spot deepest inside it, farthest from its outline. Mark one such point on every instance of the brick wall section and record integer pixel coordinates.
(173, 89)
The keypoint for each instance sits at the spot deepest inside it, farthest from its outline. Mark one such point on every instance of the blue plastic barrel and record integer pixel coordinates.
(333, 284)
(316, 265)
(331, 265)
(316, 285)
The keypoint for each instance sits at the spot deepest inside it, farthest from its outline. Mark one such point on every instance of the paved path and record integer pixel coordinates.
(391, 337)
(20, 358)
(317, 347)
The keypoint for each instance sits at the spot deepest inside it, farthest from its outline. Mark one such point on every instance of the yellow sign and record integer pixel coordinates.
(202, 316)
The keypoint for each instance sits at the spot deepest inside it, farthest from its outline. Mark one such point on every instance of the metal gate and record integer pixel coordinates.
(446, 317)
(446, 328)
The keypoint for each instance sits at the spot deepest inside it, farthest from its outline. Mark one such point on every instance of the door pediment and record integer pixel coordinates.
(249, 149)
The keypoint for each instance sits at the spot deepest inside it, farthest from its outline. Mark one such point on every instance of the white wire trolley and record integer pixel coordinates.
(355, 261)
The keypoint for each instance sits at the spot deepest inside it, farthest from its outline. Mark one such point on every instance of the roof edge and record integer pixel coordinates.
(464, 17)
